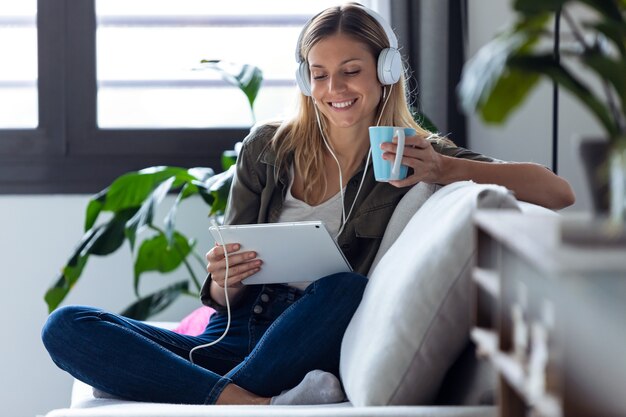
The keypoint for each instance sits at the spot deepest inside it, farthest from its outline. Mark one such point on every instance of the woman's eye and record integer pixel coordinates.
(355, 72)
(318, 77)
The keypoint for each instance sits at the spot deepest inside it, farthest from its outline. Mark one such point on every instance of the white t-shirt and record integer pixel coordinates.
(295, 210)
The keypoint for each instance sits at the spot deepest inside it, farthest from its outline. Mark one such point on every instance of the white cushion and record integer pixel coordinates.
(403, 212)
(414, 318)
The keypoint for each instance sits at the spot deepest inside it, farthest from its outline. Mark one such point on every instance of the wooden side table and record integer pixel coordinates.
(550, 317)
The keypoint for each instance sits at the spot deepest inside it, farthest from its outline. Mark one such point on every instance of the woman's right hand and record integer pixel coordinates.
(240, 265)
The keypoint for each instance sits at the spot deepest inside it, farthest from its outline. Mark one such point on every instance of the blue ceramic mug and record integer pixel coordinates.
(385, 171)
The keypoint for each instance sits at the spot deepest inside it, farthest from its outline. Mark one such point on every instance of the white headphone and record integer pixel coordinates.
(389, 66)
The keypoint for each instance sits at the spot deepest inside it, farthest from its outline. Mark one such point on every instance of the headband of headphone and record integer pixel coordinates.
(388, 68)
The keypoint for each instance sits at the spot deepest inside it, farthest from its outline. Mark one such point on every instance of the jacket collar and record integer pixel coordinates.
(268, 157)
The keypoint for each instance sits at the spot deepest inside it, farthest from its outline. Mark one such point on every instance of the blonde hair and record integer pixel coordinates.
(301, 136)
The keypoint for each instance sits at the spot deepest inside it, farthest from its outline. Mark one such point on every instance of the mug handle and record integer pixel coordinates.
(395, 170)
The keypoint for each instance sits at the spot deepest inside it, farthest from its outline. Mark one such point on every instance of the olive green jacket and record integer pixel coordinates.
(259, 188)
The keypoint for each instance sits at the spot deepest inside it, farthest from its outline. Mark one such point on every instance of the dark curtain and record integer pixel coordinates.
(431, 37)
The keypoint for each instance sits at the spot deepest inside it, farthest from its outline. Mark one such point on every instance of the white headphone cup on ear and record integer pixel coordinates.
(389, 67)
(303, 79)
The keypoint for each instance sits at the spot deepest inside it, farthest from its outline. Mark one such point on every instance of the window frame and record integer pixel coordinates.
(68, 153)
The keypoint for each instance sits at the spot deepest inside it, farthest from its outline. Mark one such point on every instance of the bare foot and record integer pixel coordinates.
(235, 395)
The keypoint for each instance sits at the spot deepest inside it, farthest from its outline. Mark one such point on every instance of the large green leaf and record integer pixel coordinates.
(145, 214)
(611, 70)
(200, 187)
(220, 189)
(156, 254)
(133, 199)
(608, 8)
(482, 73)
(247, 77)
(200, 175)
(229, 158)
(94, 207)
(545, 64)
(100, 240)
(170, 218)
(113, 233)
(615, 31)
(510, 91)
(205, 194)
(132, 189)
(533, 7)
(64, 283)
(156, 302)
(215, 190)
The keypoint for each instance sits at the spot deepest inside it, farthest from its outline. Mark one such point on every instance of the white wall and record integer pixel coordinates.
(37, 234)
(527, 136)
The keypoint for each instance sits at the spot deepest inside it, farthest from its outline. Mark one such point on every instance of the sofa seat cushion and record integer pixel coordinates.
(413, 321)
(85, 405)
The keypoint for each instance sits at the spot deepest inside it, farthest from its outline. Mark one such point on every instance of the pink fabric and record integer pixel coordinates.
(195, 322)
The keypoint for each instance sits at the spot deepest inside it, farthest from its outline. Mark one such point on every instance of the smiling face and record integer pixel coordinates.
(344, 83)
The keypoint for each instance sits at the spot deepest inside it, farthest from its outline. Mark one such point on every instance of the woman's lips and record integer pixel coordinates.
(342, 104)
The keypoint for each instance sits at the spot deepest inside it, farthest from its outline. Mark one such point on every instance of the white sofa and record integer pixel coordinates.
(406, 351)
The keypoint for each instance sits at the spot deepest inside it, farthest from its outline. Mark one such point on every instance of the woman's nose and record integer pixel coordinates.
(336, 84)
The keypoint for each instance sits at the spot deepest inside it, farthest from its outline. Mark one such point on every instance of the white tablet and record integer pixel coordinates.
(291, 252)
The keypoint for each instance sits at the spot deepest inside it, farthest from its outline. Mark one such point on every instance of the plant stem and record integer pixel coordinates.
(184, 259)
(193, 276)
(199, 258)
(615, 113)
(613, 105)
(575, 31)
(190, 294)
(252, 112)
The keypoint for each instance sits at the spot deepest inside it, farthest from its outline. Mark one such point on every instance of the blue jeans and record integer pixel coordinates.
(277, 335)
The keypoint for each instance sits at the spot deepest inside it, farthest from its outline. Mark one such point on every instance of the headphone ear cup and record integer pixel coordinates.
(389, 66)
(303, 79)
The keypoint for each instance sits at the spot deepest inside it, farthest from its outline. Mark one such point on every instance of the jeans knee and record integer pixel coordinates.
(342, 287)
(61, 327)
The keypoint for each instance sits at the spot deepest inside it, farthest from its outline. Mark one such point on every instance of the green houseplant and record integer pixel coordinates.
(497, 80)
(130, 203)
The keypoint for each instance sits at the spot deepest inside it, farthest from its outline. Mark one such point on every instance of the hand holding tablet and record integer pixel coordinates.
(290, 252)
(242, 264)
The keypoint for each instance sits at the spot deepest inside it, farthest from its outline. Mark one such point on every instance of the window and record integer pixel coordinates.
(18, 75)
(96, 88)
(149, 52)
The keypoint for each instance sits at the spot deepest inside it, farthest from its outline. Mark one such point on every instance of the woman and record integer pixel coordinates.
(313, 167)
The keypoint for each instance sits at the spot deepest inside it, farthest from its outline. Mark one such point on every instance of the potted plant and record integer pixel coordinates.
(131, 201)
(504, 71)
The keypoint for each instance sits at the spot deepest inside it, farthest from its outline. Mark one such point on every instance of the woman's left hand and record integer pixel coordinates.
(427, 164)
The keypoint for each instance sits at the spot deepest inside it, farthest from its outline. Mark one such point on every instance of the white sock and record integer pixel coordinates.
(317, 387)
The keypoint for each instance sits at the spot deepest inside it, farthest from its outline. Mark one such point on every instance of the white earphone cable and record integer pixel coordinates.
(369, 154)
(221, 242)
(367, 163)
(341, 192)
